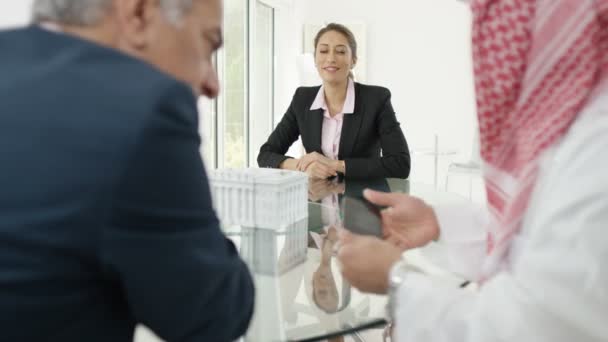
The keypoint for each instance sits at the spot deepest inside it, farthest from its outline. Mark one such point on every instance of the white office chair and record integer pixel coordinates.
(470, 168)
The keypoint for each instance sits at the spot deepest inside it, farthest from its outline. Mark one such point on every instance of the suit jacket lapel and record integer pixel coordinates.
(351, 126)
(314, 121)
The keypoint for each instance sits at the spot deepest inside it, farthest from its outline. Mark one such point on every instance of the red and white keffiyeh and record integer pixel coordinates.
(537, 64)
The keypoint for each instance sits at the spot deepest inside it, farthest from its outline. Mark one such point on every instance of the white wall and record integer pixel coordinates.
(420, 50)
(14, 13)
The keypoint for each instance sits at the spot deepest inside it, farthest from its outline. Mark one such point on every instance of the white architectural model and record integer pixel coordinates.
(260, 198)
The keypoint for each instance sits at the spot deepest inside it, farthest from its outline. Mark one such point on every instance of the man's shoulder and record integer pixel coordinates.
(587, 138)
(128, 78)
(85, 67)
(87, 86)
(129, 89)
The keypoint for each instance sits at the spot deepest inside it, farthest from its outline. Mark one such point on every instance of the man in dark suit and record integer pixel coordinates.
(105, 211)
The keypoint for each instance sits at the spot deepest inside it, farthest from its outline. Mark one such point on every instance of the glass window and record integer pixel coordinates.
(208, 130)
(262, 79)
(234, 126)
(233, 135)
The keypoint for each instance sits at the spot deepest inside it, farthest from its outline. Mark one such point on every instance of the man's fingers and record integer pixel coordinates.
(382, 198)
(394, 240)
(388, 217)
(403, 241)
(345, 236)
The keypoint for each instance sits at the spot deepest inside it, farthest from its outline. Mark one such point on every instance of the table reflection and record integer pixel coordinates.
(300, 292)
(271, 252)
(320, 190)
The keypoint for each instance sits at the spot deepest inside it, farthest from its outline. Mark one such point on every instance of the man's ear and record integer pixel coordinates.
(135, 18)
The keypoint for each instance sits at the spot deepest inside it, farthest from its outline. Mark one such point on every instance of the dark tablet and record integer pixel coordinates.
(361, 217)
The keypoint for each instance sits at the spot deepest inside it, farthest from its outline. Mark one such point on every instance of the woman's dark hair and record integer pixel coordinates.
(348, 34)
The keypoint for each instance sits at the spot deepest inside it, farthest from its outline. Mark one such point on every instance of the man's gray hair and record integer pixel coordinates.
(89, 12)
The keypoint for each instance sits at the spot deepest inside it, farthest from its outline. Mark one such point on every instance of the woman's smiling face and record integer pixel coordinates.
(333, 57)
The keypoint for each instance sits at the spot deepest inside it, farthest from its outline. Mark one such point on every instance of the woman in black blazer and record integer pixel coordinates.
(344, 125)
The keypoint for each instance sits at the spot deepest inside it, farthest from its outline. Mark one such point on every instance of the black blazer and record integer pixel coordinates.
(372, 128)
(105, 211)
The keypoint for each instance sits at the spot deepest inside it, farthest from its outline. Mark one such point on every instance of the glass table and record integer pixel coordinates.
(300, 292)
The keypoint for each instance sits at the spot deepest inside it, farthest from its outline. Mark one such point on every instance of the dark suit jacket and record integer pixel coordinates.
(372, 128)
(105, 210)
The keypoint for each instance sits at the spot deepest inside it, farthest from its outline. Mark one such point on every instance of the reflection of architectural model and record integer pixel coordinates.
(274, 252)
(260, 198)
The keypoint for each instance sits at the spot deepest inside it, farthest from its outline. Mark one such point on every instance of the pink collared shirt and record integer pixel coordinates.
(332, 127)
